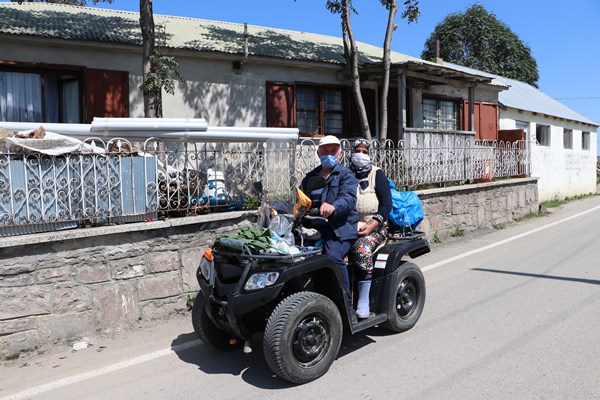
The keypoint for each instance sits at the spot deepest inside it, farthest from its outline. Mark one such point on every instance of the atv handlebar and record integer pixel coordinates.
(314, 214)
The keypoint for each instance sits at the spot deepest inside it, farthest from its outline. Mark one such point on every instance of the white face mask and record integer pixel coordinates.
(360, 160)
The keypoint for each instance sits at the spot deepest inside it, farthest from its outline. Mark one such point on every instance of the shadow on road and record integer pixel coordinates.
(560, 278)
(252, 367)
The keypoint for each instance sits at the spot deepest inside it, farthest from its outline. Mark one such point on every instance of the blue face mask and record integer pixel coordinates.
(328, 161)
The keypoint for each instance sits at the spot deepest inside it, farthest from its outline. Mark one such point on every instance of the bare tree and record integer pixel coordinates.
(344, 8)
(411, 13)
(152, 96)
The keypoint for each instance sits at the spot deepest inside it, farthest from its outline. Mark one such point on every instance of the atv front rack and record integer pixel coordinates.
(270, 256)
(237, 248)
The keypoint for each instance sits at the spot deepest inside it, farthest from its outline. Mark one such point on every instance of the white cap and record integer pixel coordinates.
(329, 139)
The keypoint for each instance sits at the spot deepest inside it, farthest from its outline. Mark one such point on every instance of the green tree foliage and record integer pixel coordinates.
(477, 39)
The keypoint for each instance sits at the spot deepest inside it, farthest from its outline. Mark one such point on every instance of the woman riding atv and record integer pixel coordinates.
(374, 205)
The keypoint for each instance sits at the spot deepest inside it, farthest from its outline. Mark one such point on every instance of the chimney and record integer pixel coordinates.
(437, 59)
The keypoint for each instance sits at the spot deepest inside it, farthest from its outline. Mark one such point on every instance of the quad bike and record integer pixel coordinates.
(297, 302)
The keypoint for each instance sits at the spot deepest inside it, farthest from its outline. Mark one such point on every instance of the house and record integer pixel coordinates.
(62, 63)
(86, 62)
(562, 142)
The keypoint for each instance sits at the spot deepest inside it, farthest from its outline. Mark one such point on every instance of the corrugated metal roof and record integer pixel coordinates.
(523, 96)
(121, 27)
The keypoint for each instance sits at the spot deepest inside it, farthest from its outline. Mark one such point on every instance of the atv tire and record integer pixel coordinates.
(207, 331)
(302, 337)
(407, 300)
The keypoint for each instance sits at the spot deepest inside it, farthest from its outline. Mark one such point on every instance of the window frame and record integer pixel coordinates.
(586, 138)
(439, 120)
(567, 139)
(321, 111)
(543, 132)
(54, 75)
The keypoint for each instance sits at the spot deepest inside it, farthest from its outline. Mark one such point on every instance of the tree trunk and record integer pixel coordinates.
(152, 98)
(352, 58)
(387, 43)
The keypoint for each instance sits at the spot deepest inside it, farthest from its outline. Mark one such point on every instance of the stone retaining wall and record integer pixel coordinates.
(65, 285)
(472, 207)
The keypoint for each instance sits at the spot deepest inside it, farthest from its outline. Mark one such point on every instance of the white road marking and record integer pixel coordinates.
(101, 371)
(500, 243)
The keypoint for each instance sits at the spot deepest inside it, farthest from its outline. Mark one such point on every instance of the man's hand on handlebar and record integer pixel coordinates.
(326, 210)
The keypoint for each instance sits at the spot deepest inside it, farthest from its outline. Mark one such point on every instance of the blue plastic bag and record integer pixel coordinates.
(407, 210)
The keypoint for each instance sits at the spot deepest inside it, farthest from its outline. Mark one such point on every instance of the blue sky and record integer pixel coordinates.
(563, 35)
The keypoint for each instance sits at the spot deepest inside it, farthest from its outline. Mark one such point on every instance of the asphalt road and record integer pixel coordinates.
(511, 314)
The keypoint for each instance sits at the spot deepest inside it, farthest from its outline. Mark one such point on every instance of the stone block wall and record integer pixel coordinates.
(472, 207)
(66, 285)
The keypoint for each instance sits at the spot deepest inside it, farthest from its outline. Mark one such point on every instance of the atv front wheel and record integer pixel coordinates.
(408, 298)
(302, 337)
(207, 331)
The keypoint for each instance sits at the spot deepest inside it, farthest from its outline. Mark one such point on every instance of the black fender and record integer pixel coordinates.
(387, 261)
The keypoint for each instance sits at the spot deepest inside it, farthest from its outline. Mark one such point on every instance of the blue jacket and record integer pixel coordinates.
(341, 193)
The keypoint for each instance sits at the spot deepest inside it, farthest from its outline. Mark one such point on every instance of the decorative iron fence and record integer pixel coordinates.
(129, 182)
(461, 160)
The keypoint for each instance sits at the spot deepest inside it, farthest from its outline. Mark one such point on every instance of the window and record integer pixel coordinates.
(67, 94)
(568, 138)
(320, 110)
(440, 114)
(585, 140)
(542, 135)
(524, 126)
(44, 96)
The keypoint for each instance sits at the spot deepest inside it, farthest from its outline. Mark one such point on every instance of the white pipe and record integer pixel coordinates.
(132, 128)
(253, 130)
(208, 136)
(149, 124)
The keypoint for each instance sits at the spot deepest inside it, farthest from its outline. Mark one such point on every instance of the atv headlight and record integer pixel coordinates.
(261, 280)
(206, 267)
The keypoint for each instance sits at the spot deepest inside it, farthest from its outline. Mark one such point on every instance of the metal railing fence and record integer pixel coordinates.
(456, 161)
(131, 182)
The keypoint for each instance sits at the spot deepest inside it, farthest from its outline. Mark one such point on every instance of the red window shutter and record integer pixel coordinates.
(488, 121)
(281, 105)
(106, 94)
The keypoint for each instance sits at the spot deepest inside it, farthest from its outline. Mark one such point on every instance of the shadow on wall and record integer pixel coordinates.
(233, 104)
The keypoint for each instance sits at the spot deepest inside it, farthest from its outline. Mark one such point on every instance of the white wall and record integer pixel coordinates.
(561, 172)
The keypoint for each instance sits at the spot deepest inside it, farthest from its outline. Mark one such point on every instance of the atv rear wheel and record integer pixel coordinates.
(408, 298)
(207, 331)
(302, 337)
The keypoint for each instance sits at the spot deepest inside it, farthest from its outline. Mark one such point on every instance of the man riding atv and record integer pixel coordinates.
(336, 202)
(299, 301)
